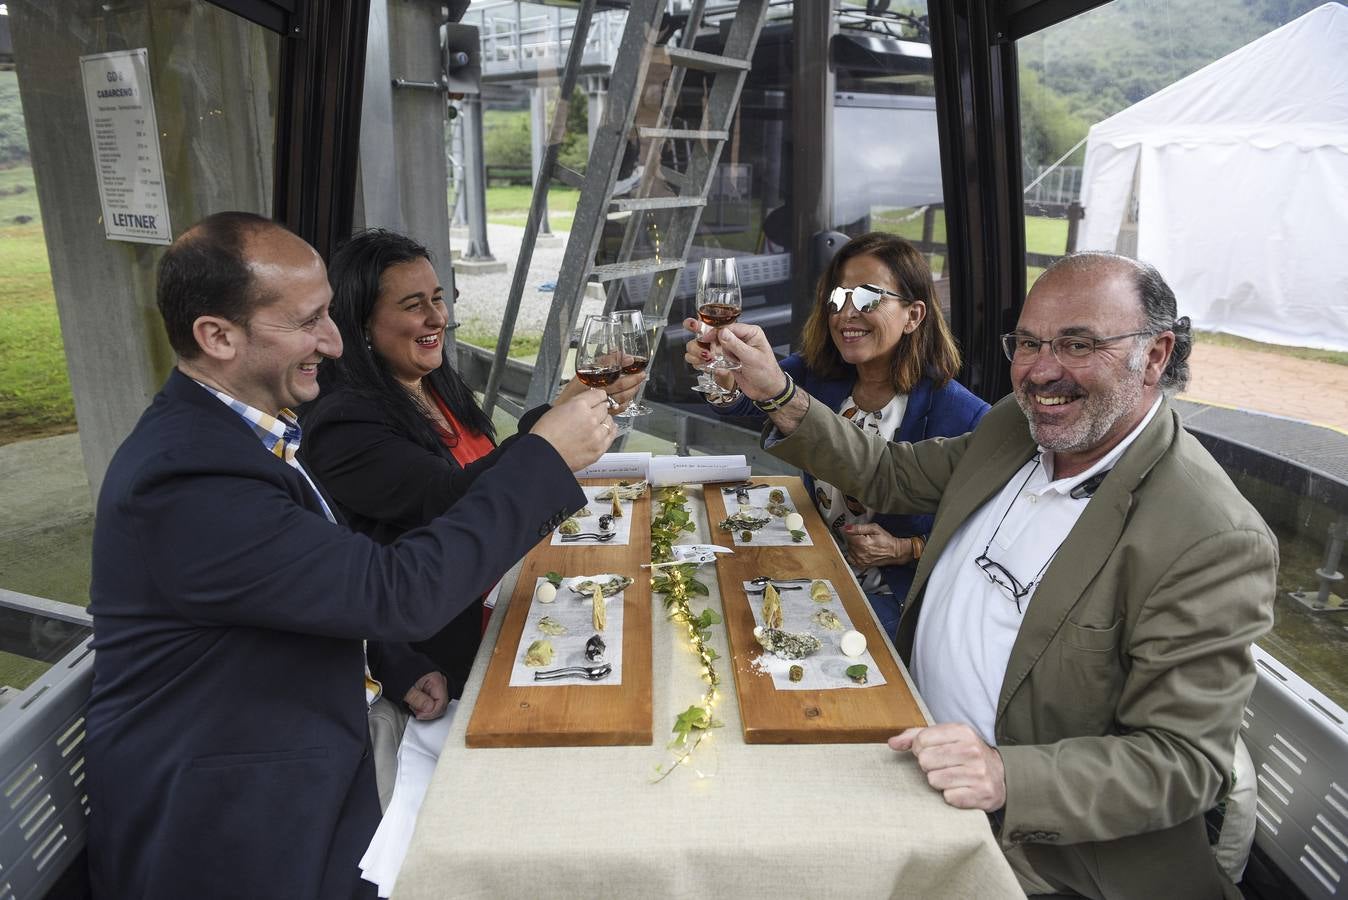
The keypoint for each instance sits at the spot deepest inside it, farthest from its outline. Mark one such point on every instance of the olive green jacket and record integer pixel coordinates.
(1125, 687)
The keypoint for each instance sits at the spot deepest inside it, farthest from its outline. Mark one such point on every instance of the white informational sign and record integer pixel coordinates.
(125, 135)
(618, 465)
(697, 469)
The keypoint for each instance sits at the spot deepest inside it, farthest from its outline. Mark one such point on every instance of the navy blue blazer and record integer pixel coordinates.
(931, 412)
(227, 746)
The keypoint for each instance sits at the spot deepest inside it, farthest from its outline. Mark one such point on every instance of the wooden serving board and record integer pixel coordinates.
(770, 716)
(584, 714)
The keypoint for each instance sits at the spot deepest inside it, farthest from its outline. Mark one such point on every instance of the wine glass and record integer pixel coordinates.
(718, 304)
(598, 353)
(636, 353)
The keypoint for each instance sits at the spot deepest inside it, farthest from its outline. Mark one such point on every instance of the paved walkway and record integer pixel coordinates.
(46, 519)
(1302, 389)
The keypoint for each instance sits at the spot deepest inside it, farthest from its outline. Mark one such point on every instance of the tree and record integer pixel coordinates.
(1048, 127)
(506, 135)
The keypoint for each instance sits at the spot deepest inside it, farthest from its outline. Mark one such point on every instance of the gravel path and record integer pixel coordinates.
(483, 297)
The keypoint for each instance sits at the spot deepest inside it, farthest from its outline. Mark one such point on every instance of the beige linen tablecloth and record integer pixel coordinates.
(854, 820)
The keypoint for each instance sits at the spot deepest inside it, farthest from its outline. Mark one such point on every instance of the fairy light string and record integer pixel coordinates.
(679, 585)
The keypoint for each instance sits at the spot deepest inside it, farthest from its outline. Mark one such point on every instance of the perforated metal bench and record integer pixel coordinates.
(1298, 740)
(43, 804)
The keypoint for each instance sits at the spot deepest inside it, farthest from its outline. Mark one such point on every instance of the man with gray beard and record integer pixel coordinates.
(1080, 623)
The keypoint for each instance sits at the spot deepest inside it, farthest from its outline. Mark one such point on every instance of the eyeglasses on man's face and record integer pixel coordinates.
(1073, 350)
(864, 297)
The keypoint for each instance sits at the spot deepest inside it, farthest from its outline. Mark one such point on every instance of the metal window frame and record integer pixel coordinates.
(280, 16)
(978, 127)
(321, 89)
(322, 82)
(978, 123)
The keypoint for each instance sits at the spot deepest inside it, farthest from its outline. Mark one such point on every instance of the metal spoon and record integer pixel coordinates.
(741, 487)
(601, 538)
(593, 673)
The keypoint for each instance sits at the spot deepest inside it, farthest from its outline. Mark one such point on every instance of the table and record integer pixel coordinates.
(741, 821)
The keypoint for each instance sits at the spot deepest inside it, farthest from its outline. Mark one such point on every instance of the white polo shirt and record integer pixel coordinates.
(968, 623)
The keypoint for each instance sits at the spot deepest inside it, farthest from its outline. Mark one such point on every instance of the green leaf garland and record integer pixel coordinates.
(677, 584)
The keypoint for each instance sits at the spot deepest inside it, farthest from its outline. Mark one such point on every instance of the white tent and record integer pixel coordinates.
(1233, 182)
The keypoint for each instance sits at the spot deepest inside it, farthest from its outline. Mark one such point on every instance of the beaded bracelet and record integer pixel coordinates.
(786, 396)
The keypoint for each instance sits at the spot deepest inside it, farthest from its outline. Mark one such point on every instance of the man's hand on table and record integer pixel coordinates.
(967, 772)
(428, 697)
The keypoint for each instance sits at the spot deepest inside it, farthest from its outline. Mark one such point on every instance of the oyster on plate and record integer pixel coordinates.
(786, 644)
(624, 490)
(743, 521)
(615, 585)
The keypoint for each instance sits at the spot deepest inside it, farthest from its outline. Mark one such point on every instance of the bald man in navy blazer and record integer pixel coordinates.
(228, 752)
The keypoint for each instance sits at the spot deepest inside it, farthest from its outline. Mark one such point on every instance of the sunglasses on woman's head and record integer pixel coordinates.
(864, 297)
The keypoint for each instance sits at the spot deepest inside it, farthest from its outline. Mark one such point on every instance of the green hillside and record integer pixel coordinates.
(1086, 69)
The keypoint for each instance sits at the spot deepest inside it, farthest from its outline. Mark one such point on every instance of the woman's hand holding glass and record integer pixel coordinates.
(600, 363)
(622, 391)
(698, 355)
(635, 349)
(719, 302)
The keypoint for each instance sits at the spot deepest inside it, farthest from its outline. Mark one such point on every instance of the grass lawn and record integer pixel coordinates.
(1336, 357)
(509, 205)
(1042, 235)
(19, 671)
(18, 195)
(521, 345)
(35, 398)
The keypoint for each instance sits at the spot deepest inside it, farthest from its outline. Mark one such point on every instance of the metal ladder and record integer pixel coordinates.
(637, 52)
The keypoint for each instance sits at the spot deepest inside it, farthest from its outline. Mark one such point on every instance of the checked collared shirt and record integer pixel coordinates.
(280, 435)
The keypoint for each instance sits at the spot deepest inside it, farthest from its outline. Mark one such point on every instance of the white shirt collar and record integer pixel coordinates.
(1106, 462)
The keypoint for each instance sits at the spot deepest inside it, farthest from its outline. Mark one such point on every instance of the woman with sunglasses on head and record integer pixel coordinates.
(877, 350)
(396, 436)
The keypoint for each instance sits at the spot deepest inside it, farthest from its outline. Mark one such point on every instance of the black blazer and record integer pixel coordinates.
(227, 747)
(385, 484)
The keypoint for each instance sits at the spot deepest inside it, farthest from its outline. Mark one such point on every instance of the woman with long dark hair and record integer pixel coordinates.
(396, 436)
(877, 350)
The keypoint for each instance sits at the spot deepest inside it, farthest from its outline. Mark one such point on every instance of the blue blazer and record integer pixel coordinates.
(931, 412)
(227, 748)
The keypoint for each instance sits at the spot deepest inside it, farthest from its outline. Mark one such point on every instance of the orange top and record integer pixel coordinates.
(464, 444)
